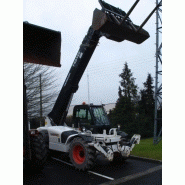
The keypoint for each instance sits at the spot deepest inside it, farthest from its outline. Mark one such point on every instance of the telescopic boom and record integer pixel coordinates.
(114, 24)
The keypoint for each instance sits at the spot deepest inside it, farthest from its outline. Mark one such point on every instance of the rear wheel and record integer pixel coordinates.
(39, 150)
(81, 154)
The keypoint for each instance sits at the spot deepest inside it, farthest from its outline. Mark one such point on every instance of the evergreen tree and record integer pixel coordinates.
(124, 113)
(119, 94)
(146, 108)
(129, 89)
(147, 96)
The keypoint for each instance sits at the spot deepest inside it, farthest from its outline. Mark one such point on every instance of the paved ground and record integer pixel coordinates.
(59, 170)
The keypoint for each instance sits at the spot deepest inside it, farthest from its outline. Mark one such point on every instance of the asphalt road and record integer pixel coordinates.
(59, 170)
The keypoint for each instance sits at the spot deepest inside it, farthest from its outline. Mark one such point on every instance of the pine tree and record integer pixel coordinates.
(119, 93)
(146, 108)
(147, 96)
(125, 110)
(129, 89)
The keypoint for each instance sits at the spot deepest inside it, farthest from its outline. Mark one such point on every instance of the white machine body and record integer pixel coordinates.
(107, 144)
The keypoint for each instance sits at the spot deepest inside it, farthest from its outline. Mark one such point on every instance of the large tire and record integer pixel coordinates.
(118, 158)
(39, 150)
(81, 154)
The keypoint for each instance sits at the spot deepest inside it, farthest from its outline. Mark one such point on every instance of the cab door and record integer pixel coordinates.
(82, 117)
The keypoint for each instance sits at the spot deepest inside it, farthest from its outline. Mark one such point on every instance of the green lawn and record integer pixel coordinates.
(148, 150)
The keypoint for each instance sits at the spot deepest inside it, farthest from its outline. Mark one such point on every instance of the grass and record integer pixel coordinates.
(148, 150)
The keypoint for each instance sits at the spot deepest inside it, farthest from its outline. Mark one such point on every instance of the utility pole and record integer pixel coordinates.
(26, 136)
(40, 100)
(88, 88)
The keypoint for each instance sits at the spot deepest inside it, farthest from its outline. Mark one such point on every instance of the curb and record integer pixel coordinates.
(145, 159)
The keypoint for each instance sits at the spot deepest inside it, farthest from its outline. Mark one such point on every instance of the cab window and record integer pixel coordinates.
(83, 114)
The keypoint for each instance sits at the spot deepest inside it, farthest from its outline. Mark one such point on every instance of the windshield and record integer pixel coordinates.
(100, 116)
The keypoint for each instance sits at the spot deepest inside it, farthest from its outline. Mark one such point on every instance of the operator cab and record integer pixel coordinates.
(91, 117)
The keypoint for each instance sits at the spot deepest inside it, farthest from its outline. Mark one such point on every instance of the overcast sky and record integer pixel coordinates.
(73, 18)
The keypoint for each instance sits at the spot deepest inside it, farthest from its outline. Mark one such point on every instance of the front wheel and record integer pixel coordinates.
(118, 158)
(81, 154)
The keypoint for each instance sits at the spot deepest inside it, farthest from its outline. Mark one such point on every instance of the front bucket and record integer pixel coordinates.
(41, 45)
(118, 32)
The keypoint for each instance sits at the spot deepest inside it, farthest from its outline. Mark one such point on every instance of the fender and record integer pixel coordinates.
(86, 138)
(66, 135)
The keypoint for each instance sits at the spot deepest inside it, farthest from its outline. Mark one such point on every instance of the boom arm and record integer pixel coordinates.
(60, 109)
(114, 24)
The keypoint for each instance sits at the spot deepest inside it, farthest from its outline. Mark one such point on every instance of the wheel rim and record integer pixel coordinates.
(78, 154)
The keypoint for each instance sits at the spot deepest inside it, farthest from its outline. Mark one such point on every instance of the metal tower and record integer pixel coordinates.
(158, 74)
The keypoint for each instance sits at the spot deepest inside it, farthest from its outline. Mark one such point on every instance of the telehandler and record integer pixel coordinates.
(91, 133)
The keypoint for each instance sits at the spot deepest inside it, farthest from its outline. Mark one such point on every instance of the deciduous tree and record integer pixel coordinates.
(40, 85)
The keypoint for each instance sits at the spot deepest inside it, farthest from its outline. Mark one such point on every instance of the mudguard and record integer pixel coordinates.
(86, 138)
